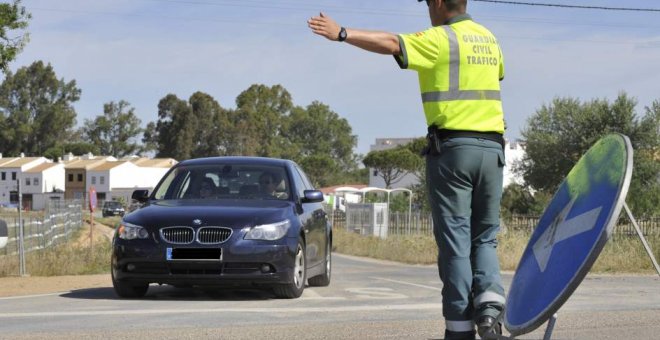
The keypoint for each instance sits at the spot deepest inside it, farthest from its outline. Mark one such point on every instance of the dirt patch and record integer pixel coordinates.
(32, 285)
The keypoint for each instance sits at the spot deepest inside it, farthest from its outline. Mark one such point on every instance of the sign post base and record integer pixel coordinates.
(641, 237)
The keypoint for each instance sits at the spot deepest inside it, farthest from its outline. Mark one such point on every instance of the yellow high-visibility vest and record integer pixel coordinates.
(460, 66)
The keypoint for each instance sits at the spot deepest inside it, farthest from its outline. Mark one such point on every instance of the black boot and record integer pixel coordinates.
(449, 335)
(485, 323)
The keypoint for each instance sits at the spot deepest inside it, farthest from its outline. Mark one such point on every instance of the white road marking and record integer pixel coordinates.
(407, 283)
(31, 296)
(375, 293)
(309, 294)
(124, 312)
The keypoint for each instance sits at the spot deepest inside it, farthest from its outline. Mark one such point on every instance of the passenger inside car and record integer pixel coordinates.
(207, 188)
(267, 183)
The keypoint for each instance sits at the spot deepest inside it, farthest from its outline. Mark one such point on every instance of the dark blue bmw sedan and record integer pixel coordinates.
(225, 221)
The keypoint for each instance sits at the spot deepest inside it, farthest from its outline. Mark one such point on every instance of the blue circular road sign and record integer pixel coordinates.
(570, 235)
(92, 199)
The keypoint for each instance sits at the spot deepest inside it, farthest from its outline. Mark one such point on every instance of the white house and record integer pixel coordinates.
(513, 153)
(113, 180)
(42, 183)
(12, 171)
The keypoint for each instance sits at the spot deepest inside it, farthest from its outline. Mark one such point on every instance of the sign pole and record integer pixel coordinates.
(642, 238)
(21, 236)
(92, 206)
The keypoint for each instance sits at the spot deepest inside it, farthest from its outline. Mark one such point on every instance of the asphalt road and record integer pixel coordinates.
(367, 299)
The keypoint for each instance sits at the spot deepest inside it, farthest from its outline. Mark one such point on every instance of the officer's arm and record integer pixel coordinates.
(373, 41)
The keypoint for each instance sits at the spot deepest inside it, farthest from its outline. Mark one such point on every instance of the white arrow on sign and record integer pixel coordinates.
(562, 229)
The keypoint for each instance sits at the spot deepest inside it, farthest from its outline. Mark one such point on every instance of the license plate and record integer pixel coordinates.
(194, 254)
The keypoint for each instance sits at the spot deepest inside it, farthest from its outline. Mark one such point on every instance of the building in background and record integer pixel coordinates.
(514, 152)
(43, 183)
(12, 170)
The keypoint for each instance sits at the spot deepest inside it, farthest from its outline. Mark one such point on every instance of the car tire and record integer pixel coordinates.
(128, 290)
(323, 280)
(296, 286)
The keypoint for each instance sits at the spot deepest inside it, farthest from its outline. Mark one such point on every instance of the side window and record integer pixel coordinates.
(300, 185)
(308, 184)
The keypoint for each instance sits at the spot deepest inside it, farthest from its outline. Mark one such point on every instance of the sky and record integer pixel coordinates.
(141, 50)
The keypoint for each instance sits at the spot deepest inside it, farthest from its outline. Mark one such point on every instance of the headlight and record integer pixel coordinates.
(128, 231)
(270, 232)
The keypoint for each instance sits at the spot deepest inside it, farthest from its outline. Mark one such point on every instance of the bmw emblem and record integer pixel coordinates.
(197, 221)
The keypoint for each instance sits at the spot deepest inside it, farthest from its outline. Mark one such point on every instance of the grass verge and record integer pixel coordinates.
(623, 254)
(72, 258)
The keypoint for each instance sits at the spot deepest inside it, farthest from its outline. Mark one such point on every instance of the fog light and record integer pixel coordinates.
(265, 268)
(130, 267)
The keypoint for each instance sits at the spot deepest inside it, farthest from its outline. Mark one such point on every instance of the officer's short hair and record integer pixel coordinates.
(455, 5)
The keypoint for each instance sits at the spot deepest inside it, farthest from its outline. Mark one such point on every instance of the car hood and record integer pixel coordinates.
(226, 213)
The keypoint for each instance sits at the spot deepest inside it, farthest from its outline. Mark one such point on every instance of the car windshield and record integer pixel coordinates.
(112, 204)
(224, 181)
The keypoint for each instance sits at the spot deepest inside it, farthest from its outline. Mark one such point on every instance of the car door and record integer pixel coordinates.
(317, 224)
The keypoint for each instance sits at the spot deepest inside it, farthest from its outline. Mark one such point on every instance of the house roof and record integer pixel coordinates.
(331, 190)
(106, 166)
(83, 163)
(7, 160)
(41, 167)
(154, 162)
(19, 162)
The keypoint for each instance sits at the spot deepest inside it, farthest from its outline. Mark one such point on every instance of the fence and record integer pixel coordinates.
(58, 221)
(422, 224)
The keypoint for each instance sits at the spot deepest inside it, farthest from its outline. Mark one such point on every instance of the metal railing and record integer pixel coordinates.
(43, 230)
(422, 224)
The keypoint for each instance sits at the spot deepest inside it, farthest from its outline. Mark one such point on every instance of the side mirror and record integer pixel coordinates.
(3, 234)
(312, 196)
(140, 195)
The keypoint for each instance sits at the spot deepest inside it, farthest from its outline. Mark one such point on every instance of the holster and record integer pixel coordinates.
(436, 137)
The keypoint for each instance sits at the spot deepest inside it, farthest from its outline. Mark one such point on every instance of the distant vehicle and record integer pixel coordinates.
(9, 205)
(225, 221)
(112, 208)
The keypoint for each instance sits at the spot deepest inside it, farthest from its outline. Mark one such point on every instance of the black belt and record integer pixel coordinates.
(444, 134)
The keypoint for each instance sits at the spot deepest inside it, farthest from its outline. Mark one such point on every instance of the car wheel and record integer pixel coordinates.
(324, 279)
(295, 287)
(128, 290)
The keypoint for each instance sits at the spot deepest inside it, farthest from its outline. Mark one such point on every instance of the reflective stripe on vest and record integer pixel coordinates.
(454, 78)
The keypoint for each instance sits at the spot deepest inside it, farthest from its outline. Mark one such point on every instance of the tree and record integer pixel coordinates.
(392, 164)
(321, 142)
(259, 120)
(560, 133)
(149, 138)
(114, 132)
(75, 148)
(199, 127)
(175, 128)
(12, 17)
(36, 110)
(518, 199)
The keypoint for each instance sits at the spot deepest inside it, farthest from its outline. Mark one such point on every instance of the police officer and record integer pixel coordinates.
(459, 64)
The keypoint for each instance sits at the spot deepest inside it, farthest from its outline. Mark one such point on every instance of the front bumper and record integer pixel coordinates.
(242, 263)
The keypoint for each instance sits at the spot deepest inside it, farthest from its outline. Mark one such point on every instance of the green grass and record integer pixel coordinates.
(620, 255)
